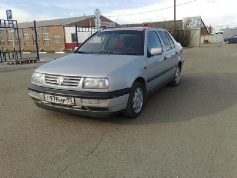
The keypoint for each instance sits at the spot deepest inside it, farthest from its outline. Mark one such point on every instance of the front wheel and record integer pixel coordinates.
(136, 101)
(176, 79)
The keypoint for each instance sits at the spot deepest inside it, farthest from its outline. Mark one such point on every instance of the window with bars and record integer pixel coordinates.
(17, 40)
(45, 30)
(2, 40)
(56, 40)
(10, 39)
(46, 38)
(26, 37)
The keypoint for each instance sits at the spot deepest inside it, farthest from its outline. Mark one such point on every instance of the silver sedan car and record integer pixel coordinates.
(112, 71)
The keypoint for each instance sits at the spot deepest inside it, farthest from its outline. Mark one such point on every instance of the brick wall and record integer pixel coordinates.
(204, 31)
(54, 31)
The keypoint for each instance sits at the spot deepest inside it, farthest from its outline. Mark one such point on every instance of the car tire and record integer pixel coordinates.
(227, 42)
(176, 78)
(136, 101)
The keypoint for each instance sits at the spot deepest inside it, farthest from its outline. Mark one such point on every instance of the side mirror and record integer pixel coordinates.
(156, 51)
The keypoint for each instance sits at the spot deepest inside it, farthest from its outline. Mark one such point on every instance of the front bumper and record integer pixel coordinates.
(108, 102)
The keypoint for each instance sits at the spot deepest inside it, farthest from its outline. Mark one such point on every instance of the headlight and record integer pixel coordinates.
(37, 77)
(96, 83)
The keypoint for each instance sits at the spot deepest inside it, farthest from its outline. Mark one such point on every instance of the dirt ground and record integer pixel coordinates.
(188, 131)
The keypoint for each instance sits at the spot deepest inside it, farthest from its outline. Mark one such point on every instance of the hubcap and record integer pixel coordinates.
(177, 75)
(137, 100)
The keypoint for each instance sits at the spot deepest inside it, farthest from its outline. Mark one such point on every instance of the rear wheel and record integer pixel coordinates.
(136, 101)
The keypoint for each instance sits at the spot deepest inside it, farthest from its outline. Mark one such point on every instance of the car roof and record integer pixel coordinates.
(135, 29)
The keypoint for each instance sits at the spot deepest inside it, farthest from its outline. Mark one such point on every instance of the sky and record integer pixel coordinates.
(217, 13)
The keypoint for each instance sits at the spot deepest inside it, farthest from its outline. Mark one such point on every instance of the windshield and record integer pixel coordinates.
(122, 42)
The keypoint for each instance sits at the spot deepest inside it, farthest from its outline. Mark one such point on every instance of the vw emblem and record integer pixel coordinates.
(60, 80)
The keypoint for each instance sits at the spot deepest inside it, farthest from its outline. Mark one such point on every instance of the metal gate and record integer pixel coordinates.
(83, 32)
(11, 27)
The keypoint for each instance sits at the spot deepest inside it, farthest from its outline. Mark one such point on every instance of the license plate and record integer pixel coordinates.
(59, 99)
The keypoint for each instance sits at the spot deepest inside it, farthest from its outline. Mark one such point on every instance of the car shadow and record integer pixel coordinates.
(198, 95)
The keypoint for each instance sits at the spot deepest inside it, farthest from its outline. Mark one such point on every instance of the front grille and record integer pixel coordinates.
(69, 81)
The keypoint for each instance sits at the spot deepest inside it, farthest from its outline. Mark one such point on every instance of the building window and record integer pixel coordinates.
(17, 40)
(10, 34)
(46, 38)
(34, 36)
(45, 30)
(2, 41)
(56, 40)
(26, 37)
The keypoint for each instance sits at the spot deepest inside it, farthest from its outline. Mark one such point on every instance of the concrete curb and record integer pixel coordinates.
(59, 52)
(3, 64)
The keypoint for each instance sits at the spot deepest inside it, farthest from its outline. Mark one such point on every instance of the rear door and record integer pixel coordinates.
(170, 54)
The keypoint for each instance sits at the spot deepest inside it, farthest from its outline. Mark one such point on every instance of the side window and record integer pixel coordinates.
(166, 40)
(171, 40)
(153, 41)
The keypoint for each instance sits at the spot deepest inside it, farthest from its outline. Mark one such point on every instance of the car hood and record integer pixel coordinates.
(90, 65)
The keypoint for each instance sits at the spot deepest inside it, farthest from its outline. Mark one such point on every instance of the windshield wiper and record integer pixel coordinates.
(105, 52)
(132, 54)
(81, 52)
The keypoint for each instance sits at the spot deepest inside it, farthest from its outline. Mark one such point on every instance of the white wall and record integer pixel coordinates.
(82, 36)
(195, 37)
(216, 38)
(68, 32)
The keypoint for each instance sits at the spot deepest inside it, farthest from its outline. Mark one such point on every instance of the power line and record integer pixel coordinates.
(122, 15)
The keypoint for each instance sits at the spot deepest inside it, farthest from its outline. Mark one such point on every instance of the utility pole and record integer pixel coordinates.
(174, 14)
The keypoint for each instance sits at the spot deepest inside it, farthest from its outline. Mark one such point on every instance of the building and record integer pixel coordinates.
(196, 22)
(190, 29)
(229, 32)
(169, 25)
(53, 35)
(185, 24)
